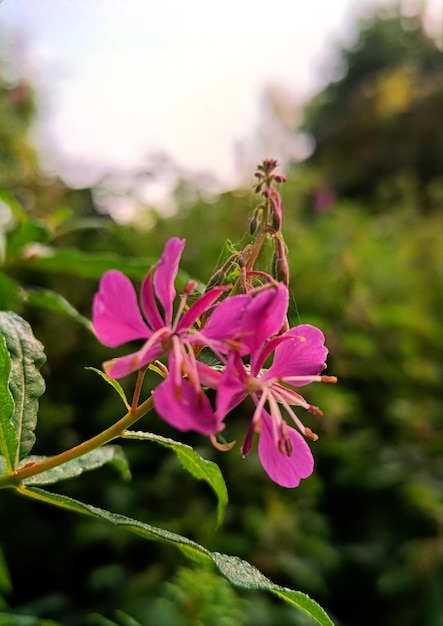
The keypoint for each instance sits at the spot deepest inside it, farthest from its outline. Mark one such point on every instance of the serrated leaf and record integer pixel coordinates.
(52, 301)
(8, 437)
(192, 462)
(89, 461)
(25, 383)
(113, 383)
(239, 573)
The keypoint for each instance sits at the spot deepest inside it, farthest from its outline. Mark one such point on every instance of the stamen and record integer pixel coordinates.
(315, 410)
(310, 435)
(307, 379)
(285, 443)
(222, 446)
(280, 398)
(328, 379)
(276, 416)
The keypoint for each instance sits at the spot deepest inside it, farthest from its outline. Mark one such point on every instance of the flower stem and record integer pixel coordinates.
(114, 431)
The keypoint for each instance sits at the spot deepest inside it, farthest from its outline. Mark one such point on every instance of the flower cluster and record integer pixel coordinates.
(244, 326)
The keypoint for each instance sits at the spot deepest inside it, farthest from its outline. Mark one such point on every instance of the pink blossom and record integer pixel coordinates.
(299, 357)
(117, 319)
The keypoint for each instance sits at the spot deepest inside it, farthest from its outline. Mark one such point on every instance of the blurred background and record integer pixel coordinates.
(123, 125)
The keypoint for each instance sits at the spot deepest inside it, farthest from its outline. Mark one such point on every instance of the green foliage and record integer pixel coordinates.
(238, 572)
(365, 530)
(89, 461)
(25, 384)
(21, 357)
(193, 463)
(377, 122)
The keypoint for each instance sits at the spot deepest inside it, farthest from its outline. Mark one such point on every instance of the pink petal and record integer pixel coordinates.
(303, 354)
(184, 408)
(286, 471)
(225, 321)
(165, 274)
(264, 316)
(124, 365)
(149, 304)
(209, 377)
(201, 305)
(116, 317)
(231, 388)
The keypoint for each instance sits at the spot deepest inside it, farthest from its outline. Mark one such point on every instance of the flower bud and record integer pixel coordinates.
(280, 267)
(254, 223)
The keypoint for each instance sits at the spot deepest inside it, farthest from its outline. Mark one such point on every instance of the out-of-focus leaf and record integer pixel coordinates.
(90, 461)
(11, 295)
(5, 580)
(32, 231)
(192, 462)
(16, 209)
(47, 299)
(84, 264)
(88, 264)
(239, 573)
(10, 619)
(26, 384)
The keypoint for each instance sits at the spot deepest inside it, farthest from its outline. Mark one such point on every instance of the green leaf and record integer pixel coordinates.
(238, 572)
(11, 295)
(84, 264)
(8, 437)
(90, 265)
(89, 461)
(192, 462)
(25, 233)
(52, 301)
(16, 208)
(11, 619)
(25, 383)
(5, 580)
(113, 383)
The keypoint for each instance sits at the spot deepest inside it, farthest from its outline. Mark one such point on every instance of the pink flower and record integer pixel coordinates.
(299, 357)
(117, 319)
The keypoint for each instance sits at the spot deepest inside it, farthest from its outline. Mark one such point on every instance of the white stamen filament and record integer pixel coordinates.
(259, 406)
(302, 379)
(288, 408)
(276, 417)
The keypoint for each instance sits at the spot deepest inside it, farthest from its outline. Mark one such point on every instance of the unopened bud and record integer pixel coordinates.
(279, 178)
(216, 279)
(276, 210)
(280, 265)
(254, 224)
(276, 221)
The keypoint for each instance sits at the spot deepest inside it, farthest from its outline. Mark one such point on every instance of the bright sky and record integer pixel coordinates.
(121, 79)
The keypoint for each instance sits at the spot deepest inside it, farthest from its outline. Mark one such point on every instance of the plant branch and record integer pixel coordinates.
(114, 431)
